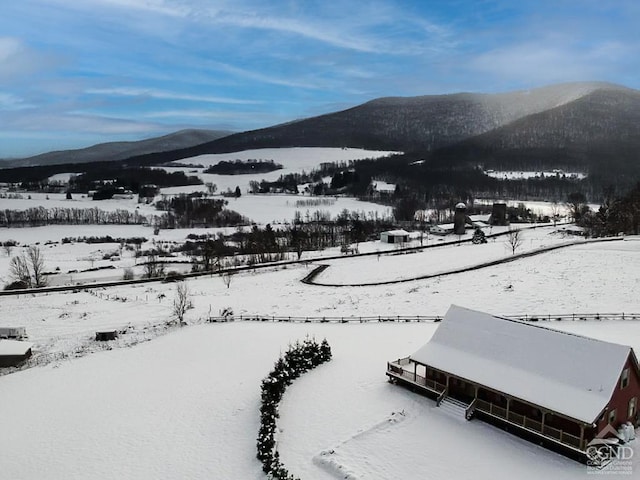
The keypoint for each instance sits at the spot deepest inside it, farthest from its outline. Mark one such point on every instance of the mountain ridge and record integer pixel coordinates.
(425, 122)
(114, 151)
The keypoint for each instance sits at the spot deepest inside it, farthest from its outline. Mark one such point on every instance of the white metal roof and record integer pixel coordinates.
(14, 347)
(563, 372)
(396, 232)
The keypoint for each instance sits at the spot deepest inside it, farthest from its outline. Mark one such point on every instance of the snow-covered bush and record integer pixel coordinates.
(298, 359)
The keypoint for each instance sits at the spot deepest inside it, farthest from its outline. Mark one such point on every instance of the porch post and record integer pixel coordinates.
(544, 416)
(508, 405)
(581, 436)
(446, 387)
(415, 370)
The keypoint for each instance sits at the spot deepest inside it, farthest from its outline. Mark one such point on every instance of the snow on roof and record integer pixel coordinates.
(563, 372)
(14, 347)
(396, 232)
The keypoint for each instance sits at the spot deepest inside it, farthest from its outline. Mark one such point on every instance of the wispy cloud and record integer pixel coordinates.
(8, 101)
(167, 95)
(57, 122)
(17, 60)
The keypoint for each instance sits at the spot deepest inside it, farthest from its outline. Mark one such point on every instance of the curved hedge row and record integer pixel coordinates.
(298, 359)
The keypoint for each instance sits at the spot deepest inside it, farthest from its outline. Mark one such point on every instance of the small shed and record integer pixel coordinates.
(443, 229)
(106, 335)
(13, 333)
(394, 236)
(14, 352)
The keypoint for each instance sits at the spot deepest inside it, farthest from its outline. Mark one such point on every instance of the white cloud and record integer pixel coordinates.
(9, 101)
(163, 7)
(549, 62)
(17, 60)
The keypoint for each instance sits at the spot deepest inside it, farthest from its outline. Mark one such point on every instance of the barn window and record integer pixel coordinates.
(624, 378)
(612, 416)
(633, 403)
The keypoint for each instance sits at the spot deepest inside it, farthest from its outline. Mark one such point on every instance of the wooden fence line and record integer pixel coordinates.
(421, 318)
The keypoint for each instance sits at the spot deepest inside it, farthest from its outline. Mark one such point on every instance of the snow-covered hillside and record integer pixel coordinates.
(293, 160)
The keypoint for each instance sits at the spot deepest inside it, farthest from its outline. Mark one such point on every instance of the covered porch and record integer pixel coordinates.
(493, 406)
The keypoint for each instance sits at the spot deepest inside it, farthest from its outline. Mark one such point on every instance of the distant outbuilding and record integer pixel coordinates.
(13, 333)
(14, 352)
(394, 236)
(106, 335)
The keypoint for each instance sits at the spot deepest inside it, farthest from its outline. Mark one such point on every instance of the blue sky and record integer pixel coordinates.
(78, 72)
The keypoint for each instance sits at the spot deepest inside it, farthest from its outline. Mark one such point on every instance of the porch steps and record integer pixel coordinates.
(453, 407)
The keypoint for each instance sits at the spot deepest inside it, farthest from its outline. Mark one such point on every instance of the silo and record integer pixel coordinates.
(460, 219)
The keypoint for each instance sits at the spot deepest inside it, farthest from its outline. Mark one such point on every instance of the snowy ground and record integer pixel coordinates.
(185, 404)
(434, 260)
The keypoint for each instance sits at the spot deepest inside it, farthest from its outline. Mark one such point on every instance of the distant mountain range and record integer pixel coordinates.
(412, 123)
(114, 151)
(589, 126)
(593, 127)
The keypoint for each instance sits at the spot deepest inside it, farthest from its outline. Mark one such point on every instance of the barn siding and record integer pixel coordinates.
(620, 398)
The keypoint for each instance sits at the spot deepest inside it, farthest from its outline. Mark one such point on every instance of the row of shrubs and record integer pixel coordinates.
(298, 359)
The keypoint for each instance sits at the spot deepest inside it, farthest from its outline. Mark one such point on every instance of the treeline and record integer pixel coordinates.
(39, 216)
(313, 181)
(131, 178)
(616, 216)
(239, 167)
(193, 210)
(181, 211)
(105, 239)
(417, 176)
(268, 244)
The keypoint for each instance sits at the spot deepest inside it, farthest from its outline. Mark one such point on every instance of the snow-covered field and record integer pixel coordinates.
(293, 160)
(260, 209)
(185, 405)
(435, 260)
(263, 209)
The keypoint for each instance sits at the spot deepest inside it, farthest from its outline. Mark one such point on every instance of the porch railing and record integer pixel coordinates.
(397, 368)
(529, 424)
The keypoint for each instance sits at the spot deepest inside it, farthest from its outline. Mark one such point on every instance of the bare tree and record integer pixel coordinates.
(29, 268)
(153, 268)
(514, 240)
(19, 271)
(226, 278)
(8, 247)
(555, 213)
(36, 262)
(181, 302)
